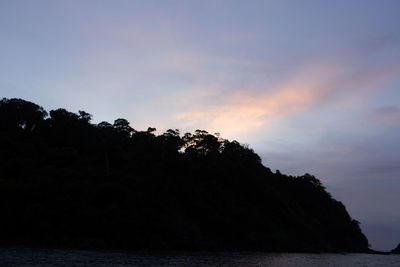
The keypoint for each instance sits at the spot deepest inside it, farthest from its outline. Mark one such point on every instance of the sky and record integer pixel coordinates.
(312, 86)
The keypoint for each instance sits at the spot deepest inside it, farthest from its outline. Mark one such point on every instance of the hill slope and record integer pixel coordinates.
(67, 182)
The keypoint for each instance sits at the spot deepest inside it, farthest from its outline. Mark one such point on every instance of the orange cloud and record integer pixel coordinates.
(248, 110)
(243, 112)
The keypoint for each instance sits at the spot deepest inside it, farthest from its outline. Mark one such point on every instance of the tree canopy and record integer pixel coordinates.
(68, 182)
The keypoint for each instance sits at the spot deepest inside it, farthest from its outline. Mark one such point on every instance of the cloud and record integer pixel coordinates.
(310, 86)
(386, 116)
(225, 91)
(246, 111)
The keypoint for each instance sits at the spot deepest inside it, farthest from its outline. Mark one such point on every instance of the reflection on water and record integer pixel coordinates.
(56, 257)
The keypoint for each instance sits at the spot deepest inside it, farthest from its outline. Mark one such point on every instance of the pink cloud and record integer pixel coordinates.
(313, 85)
(385, 116)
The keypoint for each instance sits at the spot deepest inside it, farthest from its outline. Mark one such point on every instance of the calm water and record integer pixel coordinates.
(50, 257)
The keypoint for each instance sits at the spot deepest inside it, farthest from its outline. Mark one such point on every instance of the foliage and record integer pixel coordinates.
(67, 182)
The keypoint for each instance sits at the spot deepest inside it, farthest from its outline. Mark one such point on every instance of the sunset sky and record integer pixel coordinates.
(311, 86)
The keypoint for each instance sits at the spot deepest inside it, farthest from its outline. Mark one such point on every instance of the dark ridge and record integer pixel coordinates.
(396, 250)
(66, 182)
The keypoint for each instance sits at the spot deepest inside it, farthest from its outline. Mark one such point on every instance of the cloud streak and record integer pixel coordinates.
(313, 85)
(388, 116)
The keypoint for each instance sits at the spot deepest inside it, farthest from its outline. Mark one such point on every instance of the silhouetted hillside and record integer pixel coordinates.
(67, 182)
(396, 250)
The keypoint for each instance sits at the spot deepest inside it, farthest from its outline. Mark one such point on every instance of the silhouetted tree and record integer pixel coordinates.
(85, 116)
(122, 126)
(17, 115)
(67, 182)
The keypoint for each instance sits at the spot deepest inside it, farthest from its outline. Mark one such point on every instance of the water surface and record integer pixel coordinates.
(59, 257)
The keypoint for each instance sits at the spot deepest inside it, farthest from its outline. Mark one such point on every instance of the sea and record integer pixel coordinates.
(62, 257)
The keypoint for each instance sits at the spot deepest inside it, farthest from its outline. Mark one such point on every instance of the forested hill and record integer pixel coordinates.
(70, 183)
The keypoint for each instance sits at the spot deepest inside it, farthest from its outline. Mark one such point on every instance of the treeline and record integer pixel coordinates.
(68, 182)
